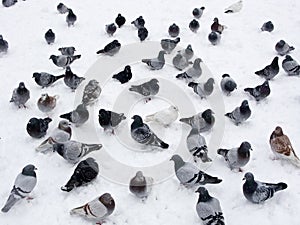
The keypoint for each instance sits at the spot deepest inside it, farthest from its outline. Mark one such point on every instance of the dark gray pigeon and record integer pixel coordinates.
(124, 76)
(203, 89)
(259, 92)
(228, 85)
(37, 127)
(174, 30)
(139, 22)
(283, 48)
(214, 38)
(78, 116)
(240, 114)
(47, 103)
(258, 192)
(111, 48)
(110, 120)
(269, 71)
(142, 33)
(192, 73)
(140, 185)
(50, 37)
(71, 18)
(20, 95)
(63, 60)
(9, 3)
(156, 63)
(180, 62)
(110, 29)
(23, 186)
(194, 25)
(168, 44)
(120, 20)
(45, 79)
(191, 176)
(188, 53)
(267, 26)
(198, 12)
(3, 45)
(62, 9)
(91, 92)
(147, 89)
(203, 121)
(290, 66)
(68, 51)
(71, 79)
(208, 208)
(236, 157)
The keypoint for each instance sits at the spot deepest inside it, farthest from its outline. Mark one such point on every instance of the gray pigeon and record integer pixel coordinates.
(180, 62)
(197, 12)
(91, 92)
(168, 44)
(109, 120)
(192, 73)
(63, 60)
(110, 29)
(214, 37)
(71, 79)
(203, 89)
(208, 208)
(45, 79)
(9, 3)
(259, 92)
(156, 63)
(190, 175)
(240, 114)
(47, 103)
(71, 18)
(267, 26)
(203, 121)
(197, 146)
(283, 48)
(140, 185)
(173, 30)
(68, 51)
(258, 192)
(290, 66)
(111, 48)
(228, 85)
(62, 9)
(78, 116)
(270, 71)
(20, 95)
(74, 151)
(23, 186)
(188, 53)
(3, 45)
(149, 88)
(139, 22)
(50, 37)
(236, 157)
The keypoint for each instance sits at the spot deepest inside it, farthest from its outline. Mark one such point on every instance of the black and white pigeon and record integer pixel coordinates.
(203, 89)
(23, 186)
(9, 3)
(168, 44)
(180, 62)
(74, 151)
(191, 176)
(197, 146)
(85, 172)
(68, 51)
(71, 18)
(173, 30)
(139, 22)
(62, 8)
(45, 79)
(194, 25)
(214, 38)
(140, 185)
(240, 114)
(120, 20)
(193, 72)
(291, 66)
(110, 29)
(283, 48)
(111, 48)
(217, 27)
(124, 76)
(258, 192)
(270, 71)
(203, 121)
(109, 120)
(20, 95)
(50, 37)
(142, 33)
(208, 208)
(267, 26)
(71, 79)
(147, 89)
(188, 52)
(37, 127)
(141, 133)
(198, 12)
(3, 45)
(63, 60)
(156, 63)
(228, 85)
(235, 7)
(259, 92)
(78, 116)
(47, 103)
(236, 157)
(91, 92)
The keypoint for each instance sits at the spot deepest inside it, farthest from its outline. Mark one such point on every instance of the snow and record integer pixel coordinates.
(243, 49)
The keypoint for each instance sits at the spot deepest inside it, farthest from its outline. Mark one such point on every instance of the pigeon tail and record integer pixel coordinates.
(10, 202)
(159, 143)
(229, 11)
(76, 57)
(146, 60)
(250, 90)
(66, 116)
(100, 51)
(78, 211)
(230, 115)
(88, 148)
(223, 152)
(59, 77)
(183, 75)
(280, 186)
(210, 179)
(186, 120)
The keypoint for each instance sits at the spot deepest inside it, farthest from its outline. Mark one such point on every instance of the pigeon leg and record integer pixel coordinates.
(147, 100)
(29, 198)
(240, 170)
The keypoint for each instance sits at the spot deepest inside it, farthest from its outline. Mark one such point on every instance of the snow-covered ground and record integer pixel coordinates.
(243, 50)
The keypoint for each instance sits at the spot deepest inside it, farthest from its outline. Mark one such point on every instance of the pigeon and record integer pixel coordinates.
(71, 18)
(86, 171)
(23, 186)
(240, 114)
(68, 51)
(290, 66)
(192, 73)
(9, 3)
(258, 192)
(156, 63)
(228, 85)
(214, 38)
(97, 209)
(139, 22)
(235, 7)
(78, 116)
(147, 89)
(283, 48)
(47, 103)
(45, 79)
(174, 30)
(191, 176)
(142, 33)
(3, 45)
(164, 117)
(110, 29)
(63, 60)
(236, 157)
(267, 26)
(194, 25)
(140, 185)
(180, 62)
(282, 148)
(203, 89)
(110, 120)
(124, 76)
(141, 133)
(198, 12)
(120, 20)
(91, 92)
(217, 27)
(74, 151)
(111, 48)
(62, 9)
(50, 37)
(20, 95)
(259, 92)
(71, 79)
(197, 146)
(188, 53)
(168, 44)
(270, 71)
(208, 208)
(203, 121)
(37, 128)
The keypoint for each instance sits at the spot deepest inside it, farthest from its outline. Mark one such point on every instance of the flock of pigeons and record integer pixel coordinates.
(189, 175)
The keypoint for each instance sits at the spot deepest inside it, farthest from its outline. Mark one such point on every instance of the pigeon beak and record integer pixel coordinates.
(35, 168)
(244, 178)
(251, 149)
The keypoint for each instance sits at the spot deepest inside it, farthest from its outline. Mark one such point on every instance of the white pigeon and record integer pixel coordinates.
(235, 7)
(164, 117)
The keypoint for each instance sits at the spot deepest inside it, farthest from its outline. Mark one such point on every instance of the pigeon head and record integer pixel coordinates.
(177, 40)
(48, 120)
(275, 61)
(108, 201)
(137, 119)
(29, 170)
(52, 57)
(115, 42)
(192, 84)
(161, 54)
(21, 85)
(50, 31)
(216, 20)
(278, 131)
(93, 82)
(127, 69)
(207, 115)
(203, 194)
(1, 37)
(210, 81)
(266, 84)
(189, 47)
(213, 36)
(197, 63)
(288, 57)
(281, 43)
(245, 104)
(70, 11)
(246, 146)
(36, 75)
(248, 177)
(65, 126)
(139, 176)
(154, 81)
(178, 162)
(44, 97)
(33, 122)
(91, 162)
(225, 75)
